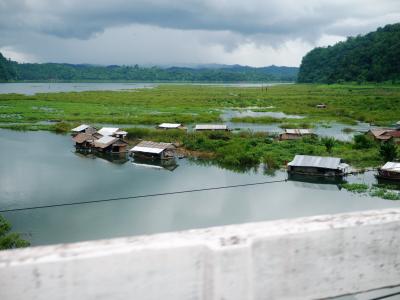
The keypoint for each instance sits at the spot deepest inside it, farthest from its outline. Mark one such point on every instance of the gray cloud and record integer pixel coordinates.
(291, 18)
(206, 26)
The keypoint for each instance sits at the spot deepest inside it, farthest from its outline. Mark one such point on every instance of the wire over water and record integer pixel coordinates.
(143, 196)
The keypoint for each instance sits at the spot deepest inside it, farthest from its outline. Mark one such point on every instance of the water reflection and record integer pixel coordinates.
(116, 158)
(317, 182)
(227, 114)
(169, 164)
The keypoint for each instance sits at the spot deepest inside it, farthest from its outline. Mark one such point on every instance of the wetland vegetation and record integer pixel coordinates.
(190, 104)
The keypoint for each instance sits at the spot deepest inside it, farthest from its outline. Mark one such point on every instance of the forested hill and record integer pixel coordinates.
(7, 71)
(215, 73)
(374, 57)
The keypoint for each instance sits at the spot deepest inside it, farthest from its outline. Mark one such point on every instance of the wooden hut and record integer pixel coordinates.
(110, 144)
(83, 129)
(385, 134)
(85, 140)
(295, 134)
(167, 126)
(211, 127)
(390, 170)
(318, 166)
(147, 149)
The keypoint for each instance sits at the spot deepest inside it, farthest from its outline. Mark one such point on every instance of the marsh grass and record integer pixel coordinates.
(355, 187)
(379, 104)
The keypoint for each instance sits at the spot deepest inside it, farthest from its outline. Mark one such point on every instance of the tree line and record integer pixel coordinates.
(374, 57)
(10, 70)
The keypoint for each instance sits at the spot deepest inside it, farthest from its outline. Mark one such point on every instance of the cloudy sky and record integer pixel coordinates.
(180, 32)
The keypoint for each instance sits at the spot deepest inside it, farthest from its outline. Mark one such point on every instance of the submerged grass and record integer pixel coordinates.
(355, 187)
(387, 192)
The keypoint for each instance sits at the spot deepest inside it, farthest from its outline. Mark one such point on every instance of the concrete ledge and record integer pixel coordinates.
(308, 258)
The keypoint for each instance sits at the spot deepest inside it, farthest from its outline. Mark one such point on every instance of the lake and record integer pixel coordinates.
(31, 88)
(42, 168)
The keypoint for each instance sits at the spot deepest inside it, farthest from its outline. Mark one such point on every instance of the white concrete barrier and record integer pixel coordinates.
(308, 258)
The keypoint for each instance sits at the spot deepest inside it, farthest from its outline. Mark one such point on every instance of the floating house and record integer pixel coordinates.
(295, 134)
(113, 131)
(85, 140)
(318, 166)
(166, 126)
(385, 134)
(211, 127)
(390, 170)
(83, 129)
(148, 149)
(110, 144)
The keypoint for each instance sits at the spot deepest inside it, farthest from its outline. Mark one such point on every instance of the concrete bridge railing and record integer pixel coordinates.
(308, 258)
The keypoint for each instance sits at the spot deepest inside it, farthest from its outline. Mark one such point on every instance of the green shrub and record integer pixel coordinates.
(362, 141)
(388, 150)
(9, 240)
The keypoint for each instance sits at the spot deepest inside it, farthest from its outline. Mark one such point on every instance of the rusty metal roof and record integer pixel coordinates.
(83, 137)
(105, 141)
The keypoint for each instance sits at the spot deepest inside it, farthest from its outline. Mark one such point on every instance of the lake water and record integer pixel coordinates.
(41, 168)
(331, 129)
(31, 88)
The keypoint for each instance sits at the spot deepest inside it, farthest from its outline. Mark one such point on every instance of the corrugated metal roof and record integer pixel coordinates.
(151, 147)
(391, 166)
(105, 141)
(121, 132)
(393, 133)
(298, 131)
(107, 131)
(211, 127)
(316, 161)
(80, 128)
(169, 125)
(147, 150)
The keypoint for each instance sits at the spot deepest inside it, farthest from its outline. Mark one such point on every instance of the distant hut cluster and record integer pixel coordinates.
(295, 134)
(385, 134)
(107, 139)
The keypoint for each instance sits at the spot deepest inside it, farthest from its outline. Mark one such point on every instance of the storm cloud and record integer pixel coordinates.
(254, 32)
